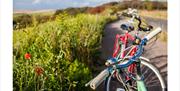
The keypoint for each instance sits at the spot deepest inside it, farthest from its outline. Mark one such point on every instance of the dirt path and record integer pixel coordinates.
(156, 53)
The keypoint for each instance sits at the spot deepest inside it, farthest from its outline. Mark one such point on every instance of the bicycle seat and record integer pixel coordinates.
(128, 27)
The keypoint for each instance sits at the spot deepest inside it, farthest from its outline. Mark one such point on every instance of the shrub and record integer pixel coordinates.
(22, 21)
(60, 53)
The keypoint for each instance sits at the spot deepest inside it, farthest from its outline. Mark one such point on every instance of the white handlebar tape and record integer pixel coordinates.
(153, 33)
(99, 79)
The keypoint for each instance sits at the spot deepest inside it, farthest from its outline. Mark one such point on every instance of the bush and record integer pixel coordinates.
(22, 21)
(71, 11)
(60, 53)
(42, 19)
(26, 20)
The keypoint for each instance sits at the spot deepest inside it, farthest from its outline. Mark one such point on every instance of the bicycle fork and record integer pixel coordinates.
(140, 82)
(141, 86)
(139, 78)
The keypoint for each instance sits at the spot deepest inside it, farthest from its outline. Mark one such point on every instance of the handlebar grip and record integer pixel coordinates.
(99, 79)
(153, 33)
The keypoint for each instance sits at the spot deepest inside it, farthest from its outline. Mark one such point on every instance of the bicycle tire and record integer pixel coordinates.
(160, 86)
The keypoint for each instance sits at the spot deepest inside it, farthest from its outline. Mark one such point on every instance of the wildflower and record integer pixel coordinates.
(27, 56)
(39, 70)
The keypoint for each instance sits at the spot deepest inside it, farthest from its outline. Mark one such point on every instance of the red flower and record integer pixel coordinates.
(39, 70)
(27, 56)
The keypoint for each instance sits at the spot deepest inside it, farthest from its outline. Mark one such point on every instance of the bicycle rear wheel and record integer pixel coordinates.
(151, 76)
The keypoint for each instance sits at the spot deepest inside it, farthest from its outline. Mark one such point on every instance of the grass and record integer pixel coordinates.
(163, 36)
(159, 14)
(35, 13)
(62, 53)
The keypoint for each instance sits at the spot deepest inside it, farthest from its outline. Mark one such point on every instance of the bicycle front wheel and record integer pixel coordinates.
(151, 76)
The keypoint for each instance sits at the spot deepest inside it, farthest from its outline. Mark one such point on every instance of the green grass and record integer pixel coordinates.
(65, 50)
(159, 14)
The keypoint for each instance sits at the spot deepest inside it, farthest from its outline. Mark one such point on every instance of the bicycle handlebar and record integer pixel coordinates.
(140, 48)
(153, 33)
(94, 83)
(133, 14)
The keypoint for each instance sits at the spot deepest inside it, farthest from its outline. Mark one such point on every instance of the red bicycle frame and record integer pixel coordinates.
(123, 39)
(120, 48)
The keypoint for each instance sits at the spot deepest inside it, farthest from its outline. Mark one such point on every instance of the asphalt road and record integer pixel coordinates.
(157, 23)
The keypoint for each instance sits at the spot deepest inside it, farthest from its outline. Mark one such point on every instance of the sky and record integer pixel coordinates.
(57, 4)
(54, 4)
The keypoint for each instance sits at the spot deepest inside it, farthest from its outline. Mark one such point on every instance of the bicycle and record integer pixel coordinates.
(137, 80)
(121, 41)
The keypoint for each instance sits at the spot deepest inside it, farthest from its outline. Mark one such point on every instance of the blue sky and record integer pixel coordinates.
(55, 4)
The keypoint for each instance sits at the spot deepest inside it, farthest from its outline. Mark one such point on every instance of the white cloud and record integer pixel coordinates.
(36, 1)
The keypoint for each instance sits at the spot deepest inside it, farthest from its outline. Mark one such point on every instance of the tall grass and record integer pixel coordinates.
(61, 53)
(164, 36)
